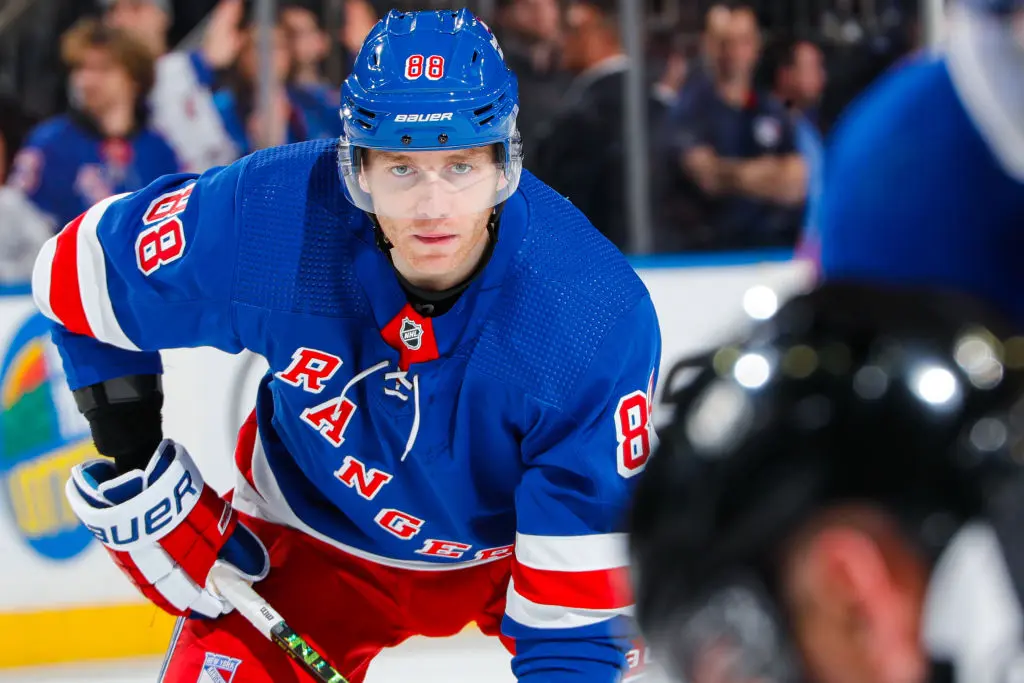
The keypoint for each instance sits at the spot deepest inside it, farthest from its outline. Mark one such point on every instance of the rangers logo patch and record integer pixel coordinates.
(218, 669)
(411, 334)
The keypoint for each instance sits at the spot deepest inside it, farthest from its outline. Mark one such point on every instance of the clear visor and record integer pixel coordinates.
(733, 635)
(428, 184)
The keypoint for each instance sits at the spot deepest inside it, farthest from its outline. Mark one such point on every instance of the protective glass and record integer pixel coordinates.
(732, 635)
(427, 184)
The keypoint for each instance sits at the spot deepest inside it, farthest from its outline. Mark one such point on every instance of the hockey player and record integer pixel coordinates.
(925, 179)
(838, 500)
(458, 394)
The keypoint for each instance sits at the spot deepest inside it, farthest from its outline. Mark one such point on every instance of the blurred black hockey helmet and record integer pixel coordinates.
(906, 399)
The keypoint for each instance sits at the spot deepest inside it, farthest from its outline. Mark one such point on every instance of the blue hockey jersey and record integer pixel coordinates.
(513, 424)
(66, 165)
(925, 176)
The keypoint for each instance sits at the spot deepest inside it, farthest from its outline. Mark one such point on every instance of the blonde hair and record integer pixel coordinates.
(131, 54)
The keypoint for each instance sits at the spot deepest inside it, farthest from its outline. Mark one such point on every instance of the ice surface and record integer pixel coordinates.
(468, 658)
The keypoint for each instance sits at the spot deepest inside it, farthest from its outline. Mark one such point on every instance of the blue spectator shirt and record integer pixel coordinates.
(761, 127)
(320, 108)
(67, 165)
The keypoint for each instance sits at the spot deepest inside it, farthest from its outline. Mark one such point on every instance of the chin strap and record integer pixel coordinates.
(383, 243)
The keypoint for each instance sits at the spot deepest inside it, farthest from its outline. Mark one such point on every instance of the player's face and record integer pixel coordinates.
(434, 208)
(99, 82)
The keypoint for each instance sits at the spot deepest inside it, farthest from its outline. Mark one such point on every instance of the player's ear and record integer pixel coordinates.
(854, 573)
(851, 562)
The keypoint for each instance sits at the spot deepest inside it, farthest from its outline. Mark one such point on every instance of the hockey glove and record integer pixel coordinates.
(165, 529)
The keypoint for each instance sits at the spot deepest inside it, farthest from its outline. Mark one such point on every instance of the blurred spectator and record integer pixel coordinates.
(181, 102)
(669, 66)
(736, 175)
(103, 145)
(238, 102)
(360, 17)
(581, 153)
(23, 228)
(530, 32)
(797, 68)
(700, 76)
(14, 126)
(309, 45)
(23, 231)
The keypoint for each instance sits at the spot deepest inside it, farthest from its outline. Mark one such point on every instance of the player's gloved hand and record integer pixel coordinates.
(165, 529)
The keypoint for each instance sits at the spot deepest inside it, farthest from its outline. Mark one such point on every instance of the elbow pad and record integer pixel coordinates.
(124, 416)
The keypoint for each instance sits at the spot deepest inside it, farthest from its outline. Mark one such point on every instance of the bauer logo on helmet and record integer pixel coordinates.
(423, 118)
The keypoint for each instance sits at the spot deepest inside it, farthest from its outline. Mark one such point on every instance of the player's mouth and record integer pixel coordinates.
(435, 240)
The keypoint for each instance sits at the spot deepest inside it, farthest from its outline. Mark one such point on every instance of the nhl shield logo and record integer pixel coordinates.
(411, 334)
(218, 669)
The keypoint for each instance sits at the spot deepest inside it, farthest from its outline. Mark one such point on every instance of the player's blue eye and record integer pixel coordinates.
(461, 168)
(401, 171)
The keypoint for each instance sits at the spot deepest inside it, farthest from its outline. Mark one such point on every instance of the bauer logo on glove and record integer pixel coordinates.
(146, 509)
(166, 529)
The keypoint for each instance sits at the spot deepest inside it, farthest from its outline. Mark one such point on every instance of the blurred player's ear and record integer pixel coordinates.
(849, 564)
(856, 576)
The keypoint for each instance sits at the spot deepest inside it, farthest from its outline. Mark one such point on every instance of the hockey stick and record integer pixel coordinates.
(267, 621)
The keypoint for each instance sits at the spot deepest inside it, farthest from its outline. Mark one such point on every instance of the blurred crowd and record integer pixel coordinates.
(733, 120)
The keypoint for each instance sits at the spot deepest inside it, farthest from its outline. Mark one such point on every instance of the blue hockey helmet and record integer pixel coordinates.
(426, 82)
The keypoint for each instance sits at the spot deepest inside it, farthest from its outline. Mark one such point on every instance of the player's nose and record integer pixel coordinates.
(434, 201)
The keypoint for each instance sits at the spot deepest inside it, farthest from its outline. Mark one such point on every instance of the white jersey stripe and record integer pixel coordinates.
(535, 615)
(42, 276)
(92, 280)
(595, 552)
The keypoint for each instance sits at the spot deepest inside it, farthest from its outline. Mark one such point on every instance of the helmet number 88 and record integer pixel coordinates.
(417, 65)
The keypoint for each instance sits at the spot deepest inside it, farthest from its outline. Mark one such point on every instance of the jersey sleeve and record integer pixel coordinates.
(142, 272)
(568, 601)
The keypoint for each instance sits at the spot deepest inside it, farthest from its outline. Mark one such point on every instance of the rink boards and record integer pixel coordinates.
(61, 599)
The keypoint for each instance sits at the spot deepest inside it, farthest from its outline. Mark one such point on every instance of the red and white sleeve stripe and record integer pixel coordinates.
(568, 581)
(69, 280)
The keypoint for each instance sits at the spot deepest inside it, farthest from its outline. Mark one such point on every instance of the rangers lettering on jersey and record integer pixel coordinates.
(401, 524)
(367, 483)
(310, 369)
